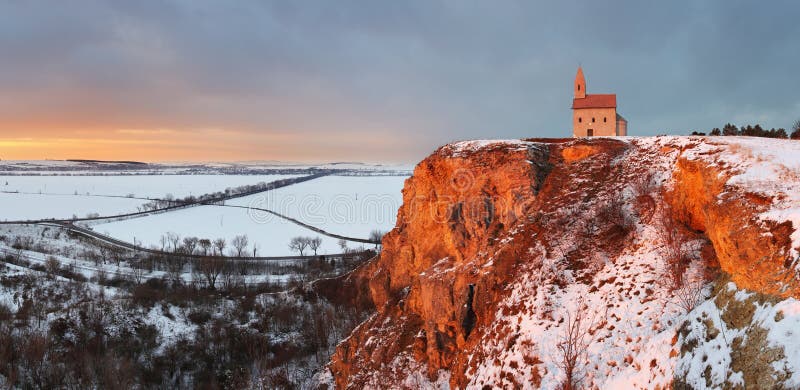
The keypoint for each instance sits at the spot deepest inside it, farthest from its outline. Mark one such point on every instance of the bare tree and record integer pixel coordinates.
(138, 271)
(231, 278)
(795, 130)
(116, 254)
(314, 244)
(205, 245)
(210, 268)
(299, 244)
(105, 253)
(174, 239)
(174, 268)
(190, 244)
(343, 245)
(164, 241)
(376, 236)
(240, 244)
(220, 244)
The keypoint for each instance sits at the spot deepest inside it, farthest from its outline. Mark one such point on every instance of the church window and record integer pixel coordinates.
(579, 87)
(592, 120)
(604, 119)
(580, 120)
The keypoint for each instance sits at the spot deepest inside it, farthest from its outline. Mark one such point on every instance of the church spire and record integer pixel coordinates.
(580, 85)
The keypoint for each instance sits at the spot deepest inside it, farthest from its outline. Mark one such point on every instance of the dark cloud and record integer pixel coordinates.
(431, 71)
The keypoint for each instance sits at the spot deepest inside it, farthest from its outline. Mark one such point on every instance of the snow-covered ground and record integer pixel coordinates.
(141, 186)
(347, 205)
(272, 237)
(14, 207)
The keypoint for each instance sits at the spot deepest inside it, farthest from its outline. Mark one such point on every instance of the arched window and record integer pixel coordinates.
(580, 120)
(604, 119)
(592, 120)
(579, 87)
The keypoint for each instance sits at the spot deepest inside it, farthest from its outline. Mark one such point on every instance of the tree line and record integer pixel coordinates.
(754, 131)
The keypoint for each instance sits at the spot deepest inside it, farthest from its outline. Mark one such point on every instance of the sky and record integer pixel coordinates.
(377, 81)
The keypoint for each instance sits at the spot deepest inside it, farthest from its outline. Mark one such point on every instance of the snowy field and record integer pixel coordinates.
(14, 207)
(347, 205)
(271, 237)
(141, 186)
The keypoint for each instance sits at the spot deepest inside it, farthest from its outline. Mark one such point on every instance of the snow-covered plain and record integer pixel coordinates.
(141, 186)
(15, 207)
(272, 237)
(347, 205)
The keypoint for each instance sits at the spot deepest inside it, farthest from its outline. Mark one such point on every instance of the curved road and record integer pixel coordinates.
(126, 245)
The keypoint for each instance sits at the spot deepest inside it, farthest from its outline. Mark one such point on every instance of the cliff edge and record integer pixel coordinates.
(595, 262)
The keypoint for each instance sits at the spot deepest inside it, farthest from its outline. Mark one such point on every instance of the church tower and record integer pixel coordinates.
(580, 85)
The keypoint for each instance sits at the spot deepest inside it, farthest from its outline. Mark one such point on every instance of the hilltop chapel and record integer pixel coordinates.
(596, 114)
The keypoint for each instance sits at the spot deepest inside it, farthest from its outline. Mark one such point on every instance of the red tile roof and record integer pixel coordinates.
(596, 101)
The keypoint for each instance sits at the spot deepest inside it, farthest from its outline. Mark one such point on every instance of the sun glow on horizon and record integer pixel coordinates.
(164, 144)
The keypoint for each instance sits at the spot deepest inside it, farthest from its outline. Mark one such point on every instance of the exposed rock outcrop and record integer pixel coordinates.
(501, 245)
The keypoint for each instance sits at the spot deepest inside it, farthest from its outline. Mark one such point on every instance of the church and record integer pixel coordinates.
(596, 114)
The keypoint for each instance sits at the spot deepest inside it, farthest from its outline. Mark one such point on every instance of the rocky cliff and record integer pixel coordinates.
(589, 262)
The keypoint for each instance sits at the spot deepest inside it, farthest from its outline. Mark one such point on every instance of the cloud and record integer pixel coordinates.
(322, 78)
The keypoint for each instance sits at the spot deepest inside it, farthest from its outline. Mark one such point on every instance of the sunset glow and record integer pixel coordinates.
(322, 81)
(193, 145)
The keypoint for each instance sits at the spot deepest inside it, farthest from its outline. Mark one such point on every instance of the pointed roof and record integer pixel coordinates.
(579, 76)
(596, 101)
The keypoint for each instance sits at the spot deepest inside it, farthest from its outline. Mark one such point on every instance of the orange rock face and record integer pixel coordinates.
(478, 216)
(755, 253)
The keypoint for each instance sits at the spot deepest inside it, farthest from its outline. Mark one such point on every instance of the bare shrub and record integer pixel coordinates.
(690, 294)
(644, 184)
(687, 292)
(52, 265)
(674, 265)
(101, 275)
(612, 211)
(573, 344)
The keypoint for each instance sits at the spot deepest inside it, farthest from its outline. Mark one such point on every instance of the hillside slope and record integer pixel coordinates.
(610, 263)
